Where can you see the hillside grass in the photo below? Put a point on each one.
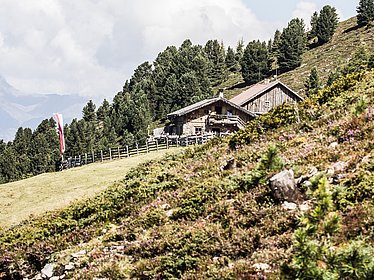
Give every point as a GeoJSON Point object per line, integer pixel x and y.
{"type": "Point", "coordinates": [49, 191]}
{"type": "Point", "coordinates": [191, 216]}
{"type": "Point", "coordinates": [327, 58]}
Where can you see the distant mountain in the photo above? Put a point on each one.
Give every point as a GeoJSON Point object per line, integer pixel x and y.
{"type": "Point", "coordinates": [19, 109]}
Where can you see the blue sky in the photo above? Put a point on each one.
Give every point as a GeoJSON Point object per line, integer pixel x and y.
{"type": "Point", "coordinates": [90, 47]}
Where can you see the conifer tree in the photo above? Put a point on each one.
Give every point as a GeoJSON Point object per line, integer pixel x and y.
{"type": "Point", "coordinates": [326, 24]}
{"type": "Point", "coordinates": [255, 62]}
{"type": "Point", "coordinates": [292, 45]}
{"type": "Point", "coordinates": [231, 63]}
{"type": "Point", "coordinates": [215, 53]}
{"type": "Point", "coordinates": [365, 12]}
{"type": "Point", "coordinates": [312, 84]}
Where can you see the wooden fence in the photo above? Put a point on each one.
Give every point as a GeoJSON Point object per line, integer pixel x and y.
{"type": "Point", "coordinates": [141, 147]}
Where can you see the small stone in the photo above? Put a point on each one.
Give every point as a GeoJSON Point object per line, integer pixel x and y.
{"type": "Point", "coordinates": [333, 145]}
{"type": "Point", "coordinates": [79, 254]}
{"type": "Point", "coordinates": [48, 270]}
{"type": "Point", "coordinates": [169, 213]}
{"type": "Point", "coordinates": [307, 184]}
{"type": "Point", "coordinates": [262, 267]}
{"type": "Point", "coordinates": [339, 166]}
{"type": "Point", "coordinates": [69, 266]}
{"type": "Point", "coordinates": [38, 277]}
{"type": "Point", "coordinates": [289, 206]}
{"type": "Point", "coordinates": [305, 206]}
{"type": "Point", "coordinates": [54, 278]}
{"type": "Point", "coordinates": [165, 206]}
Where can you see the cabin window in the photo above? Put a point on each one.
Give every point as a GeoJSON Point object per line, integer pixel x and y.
{"type": "Point", "coordinates": [218, 110]}
{"type": "Point", "coordinates": [198, 130]}
{"type": "Point", "coordinates": [206, 111]}
{"type": "Point", "coordinates": [267, 104]}
{"type": "Point", "coordinates": [229, 112]}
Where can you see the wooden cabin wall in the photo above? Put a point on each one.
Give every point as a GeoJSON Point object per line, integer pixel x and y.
{"type": "Point", "coordinates": [273, 98]}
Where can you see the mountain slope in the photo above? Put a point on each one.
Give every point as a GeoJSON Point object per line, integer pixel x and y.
{"type": "Point", "coordinates": [210, 213]}
{"type": "Point", "coordinates": [18, 109]}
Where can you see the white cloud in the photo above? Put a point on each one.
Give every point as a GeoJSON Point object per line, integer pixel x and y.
{"type": "Point", "coordinates": [305, 10]}
{"type": "Point", "coordinates": [90, 47]}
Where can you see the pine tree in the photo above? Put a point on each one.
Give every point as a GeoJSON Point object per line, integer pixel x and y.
{"type": "Point", "coordinates": [215, 53]}
{"type": "Point", "coordinates": [313, 25]}
{"type": "Point", "coordinates": [231, 63]}
{"type": "Point", "coordinates": [365, 12]}
{"type": "Point", "coordinates": [239, 53]}
{"type": "Point", "coordinates": [255, 62]}
{"type": "Point", "coordinates": [326, 24]}
{"type": "Point", "coordinates": [89, 112]}
{"type": "Point", "coordinates": [293, 45]}
{"type": "Point", "coordinates": [312, 84]}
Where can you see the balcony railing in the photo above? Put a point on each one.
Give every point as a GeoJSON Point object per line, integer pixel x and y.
{"type": "Point", "coordinates": [225, 120]}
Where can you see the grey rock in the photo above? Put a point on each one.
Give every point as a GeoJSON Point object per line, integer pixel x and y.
{"type": "Point", "coordinates": [262, 267]}
{"type": "Point", "coordinates": [333, 145]}
{"type": "Point", "coordinates": [284, 187]}
{"type": "Point", "coordinates": [79, 254]}
{"type": "Point", "coordinates": [48, 270]}
{"type": "Point", "coordinates": [69, 266]}
{"type": "Point", "coordinates": [289, 206]}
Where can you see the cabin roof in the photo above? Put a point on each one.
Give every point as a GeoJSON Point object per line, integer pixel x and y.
{"type": "Point", "coordinates": [257, 90]}
{"type": "Point", "coordinates": [207, 102]}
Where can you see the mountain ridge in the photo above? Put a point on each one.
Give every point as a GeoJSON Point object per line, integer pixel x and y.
{"type": "Point", "coordinates": [18, 109]}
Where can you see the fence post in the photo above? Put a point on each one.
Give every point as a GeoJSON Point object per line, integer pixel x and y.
{"type": "Point", "coordinates": [101, 153]}
{"type": "Point", "coordinates": [85, 158]}
{"type": "Point", "coordinates": [119, 153]}
{"type": "Point", "coordinates": [146, 145]}
{"type": "Point", "coordinates": [196, 140]}
{"type": "Point", "coordinates": [156, 144]}
{"type": "Point", "coordinates": [167, 143]}
{"type": "Point", "coordinates": [186, 141]}
{"type": "Point", "coordinates": [110, 153]}
{"type": "Point", "coordinates": [127, 150]}
{"type": "Point", "coordinates": [93, 156]}
{"type": "Point", "coordinates": [137, 147]}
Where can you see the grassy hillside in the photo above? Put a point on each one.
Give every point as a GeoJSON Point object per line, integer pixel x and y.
{"type": "Point", "coordinates": [327, 58]}
{"type": "Point", "coordinates": [51, 191]}
{"type": "Point", "coordinates": [209, 212]}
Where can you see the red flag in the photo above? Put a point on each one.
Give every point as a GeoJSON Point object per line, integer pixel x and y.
{"type": "Point", "coordinates": [60, 126]}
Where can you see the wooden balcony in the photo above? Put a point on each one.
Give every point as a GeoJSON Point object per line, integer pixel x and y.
{"type": "Point", "coordinates": [225, 120]}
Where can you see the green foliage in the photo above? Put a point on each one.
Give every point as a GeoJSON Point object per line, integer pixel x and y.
{"type": "Point", "coordinates": [292, 45]}
{"type": "Point", "coordinates": [255, 62]}
{"type": "Point", "coordinates": [317, 253]}
{"type": "Point", "coordinates": [325, 25]}
{"type": "Point", "coordinates": [312, 84]}
{"type": "Point", "coordinates": [365, 12]}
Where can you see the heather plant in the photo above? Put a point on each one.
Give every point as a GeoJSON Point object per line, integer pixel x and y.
{"type": "Point", "coordinates": [317, 253]}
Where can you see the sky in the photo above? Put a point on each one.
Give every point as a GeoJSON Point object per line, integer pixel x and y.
{"type": "Point", "coordinates": [90, 47]}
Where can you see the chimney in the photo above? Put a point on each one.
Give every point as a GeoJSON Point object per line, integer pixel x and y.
{"type": "Point", "coordinates": [220, 93]}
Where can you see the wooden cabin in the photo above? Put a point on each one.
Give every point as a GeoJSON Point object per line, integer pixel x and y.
{"type": "Point", "coordinates": [261, 98]}
{"type": "Point", "coordinates": [215, 115]}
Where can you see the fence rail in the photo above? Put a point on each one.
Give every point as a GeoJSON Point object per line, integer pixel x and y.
{"type": "Point", "coordinates": [141, 147]}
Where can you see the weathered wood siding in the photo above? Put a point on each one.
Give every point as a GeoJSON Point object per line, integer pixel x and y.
{"type": "Point", "coordinates": [270, 99]}
{"type": "Point", "coordinates": [196, 121]}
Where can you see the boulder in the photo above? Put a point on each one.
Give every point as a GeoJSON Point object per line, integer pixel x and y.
{"type": "Point", "coordinates": [284, 188]}
{"type": "Point", "coordinates": [47, 271]}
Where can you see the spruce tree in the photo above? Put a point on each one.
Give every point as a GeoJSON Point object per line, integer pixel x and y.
{"type": "Point", "coordinates": [255, 62]}
{"type": "Point", "coordinates": [215, 53]}
{"type": "Point", "coordinates": [365, 12]}
{"type": "Point", "coordinates": [292, 45]}
{"type": "Point", "coordinates": [231, 63]}
{"type": "Point", "coordinates": [312, 84]}
{"type": "Point", "coordinates": [326, 24]}
{"type": "Point", "coordinates": [313, 25]}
